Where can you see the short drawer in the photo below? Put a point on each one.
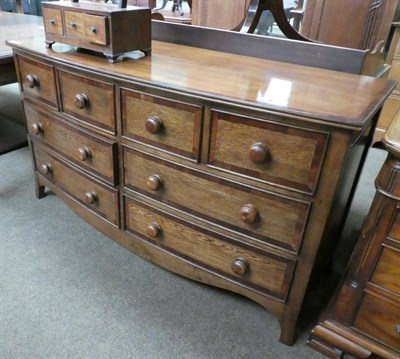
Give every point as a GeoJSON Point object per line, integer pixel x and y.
{"type": "Point", "coordinates": [169, 125]}
{"type": "Point", "coordinates": [257, 214]}
{"type": "Point", "coordinates": [92, 152]}
{"type": "Point", "coordinates": [52, 19]}
{"type": "Point", "coordinates": [387, 270]}
{"type": "Point", "coordinates": [268, 152]}
{"type": "Point", "coordinates": [88, 100]}
{"type": "Point", "coordinates": [86, 27]}
{"type": "Point", "coordinates": [95, 195]}
{"type": "Point", "coordinates": [266, 273]}
{"type": "Point", "coordinates": [379, 319]}
{"type": "Point", "coordinates": [38, 80]}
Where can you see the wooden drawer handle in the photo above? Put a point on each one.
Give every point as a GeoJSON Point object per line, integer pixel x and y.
{"type": "Point", "coordinates": [248, 213]}
{"type": "Point", "coordinates": [154, 124]}
{"type": "Point", "coordinates": [153, 230]}
{"type": "Point", "coordinates": [32, 81]}
{"type": "Point", "coordinates": [84, 153]}
{"type": "Point", "coordinates": [37, 128]}
{"type": "Point", "coordinates": [81, 100]}
{"type": "Point", "coordinates": [52, 22]}
{"type": "Point", "coordinates": [91, 197]}
{"type": "Point", "coordinates": [240, 266]}
{"type": "Point", "coordinates": [93, 29]}
{"type": "Point", "coordinates": [154, 182]}
{"type": "Point", "coordinates": [259, 152]}
{"type": "Point", "coordinates": [73, 24]}
{"type": "Point", "coordinates": [46, 168]}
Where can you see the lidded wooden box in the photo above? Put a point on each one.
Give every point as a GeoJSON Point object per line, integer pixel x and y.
{"type": "Point", "coordinates": [109, 29]}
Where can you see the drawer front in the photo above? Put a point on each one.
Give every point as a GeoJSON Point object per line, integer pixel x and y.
{"type": "Point", "coordinates": [38, 80]}
{"type": "Point", "coordinates": [52, 20]}
{"type": "Point", "coordinates": [256, 214]}
{"type": "Point", "coordinates": [270, 274]}
{"type": "Point", "coordinates": [85, 27]}
{"type": "Point", "coordinates": [379, 319]}
{"type": "Point", "coordinates": [94, 195]}
{"type": "Point", "coordinates": [171, 126]}
{"type": "Point", "coordinates": [92, 152]}
{"type": "Point", "coordinates": [280, 155]}
{"type": "Point", "coordinates": [88, 100]}
{"type": "Point", "coordinates": [387, 270]}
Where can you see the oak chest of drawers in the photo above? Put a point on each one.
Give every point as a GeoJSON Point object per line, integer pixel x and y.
{"type": "Point", "coordinates": [235, 178]}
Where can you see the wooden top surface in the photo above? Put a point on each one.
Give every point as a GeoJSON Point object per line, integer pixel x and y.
{"type": "Point", "coordinates": [344, 99]}
{"type": "Point", "coordinates": [91, 6]}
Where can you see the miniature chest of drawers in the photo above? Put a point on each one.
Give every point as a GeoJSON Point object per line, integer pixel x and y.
{"type": "Point", "coordinates": [235, 179]}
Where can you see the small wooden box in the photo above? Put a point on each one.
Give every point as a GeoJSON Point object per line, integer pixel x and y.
{"type": "Point", "coordinates": [109, 29]}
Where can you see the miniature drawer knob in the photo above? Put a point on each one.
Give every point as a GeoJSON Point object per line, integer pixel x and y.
{"type": "Point", "coordinates": [73, 24]}
{"type": "Point", "coordinates": [84, 153]}
{"type": "Point", "coordinates": [93, 29]}
{"type": "Point", "coordinates": [52, 22]}
{"type": "Point", "coordinates": [240, 266]}
{"type": "Point", "coordinates": [154, 182]}
{"type": "Point", "coordinates": [397, 328]}
{"type": "Point", "coordinates": [46, 168]}
{"type": "Point", "coordinates": [37, 128]}
{"type": "Point", "coordinates": [153, 230]}
{"type": "Point", "coordinates": [248, 213]}
{"type": "Point", "coordinates": [91, 197]}
{"type": "Point", "coordinates": [154, 124]}
{"type": "Point", "coordinates": [32, 81]}
{"type": "Point", "coordinates": [259, 152]}
{"type": "Point", "coordinates": [81, 100]}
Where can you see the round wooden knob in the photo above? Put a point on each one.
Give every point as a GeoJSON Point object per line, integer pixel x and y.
{"type": "Point", "coordinates": [37, 128]}
{"type": "Point", "coordinates": [81, 100]}
{"type": "Point", "coordinates": [397, 328]}
{"type": "Point", "coordinates": [52, 22]}
{"type": "Point", "coordinates": [84, 153]}
{"type": "Point", "coordinates": [32, 81]}
{"type": "Point", "coordinates": [153, 230]}
{"type": "Point", "coordinates": [46, 168]}
{"type": "Point", "coordinates": [154, 182]}
{"type": "Point", "coordinates": [248, 213]}
{"type": "Point", "coordinates": [91, 197]}
{"type": "Point", "coordinates": [240, 266]}
{"type": "Point", "coordinates": [259, 152]}
{"type": "Point", "coordinates": [154, 124]}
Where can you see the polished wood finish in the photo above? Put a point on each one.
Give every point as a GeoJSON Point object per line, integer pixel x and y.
{"type": "Point", "coordinates": [364, 316]}
{"type": "Point", "coordinates": [98, 27]}
{"type": "Point", "coordinates": [243, 228]}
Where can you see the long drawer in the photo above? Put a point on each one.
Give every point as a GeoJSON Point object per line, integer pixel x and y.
{"type": "Point", "coordinates": [262, 272]}
{"type": "Point", "coordinates": [262, 216]}
{"type": "Point", "coordinates": [94, 153]}
{"type": "Point", "coordinates": [93, 194]}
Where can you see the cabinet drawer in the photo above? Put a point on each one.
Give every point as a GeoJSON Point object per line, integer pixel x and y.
{"type": "Point", "coordinates": [38, 80]}
{"type": "Point", "coordinates": [387, 270]}
{"type": "Point", "coordinates": [94, 195]}
{"type": "Point", "coordinates": [379, 319]}
{"type": "Point", "coordinates": [268, 152]}
{"type": "Point", "coordinates": [85, 27]}
{"type": "Point", "coordinates": [259, 215]}
{"type": "Point", "coordinates": [92, 152]}
{"type": "Point", "coordinates": [271, 274]}
{"type": "Point", "coordinates": [52, 20]}
{"type": "Point", "coordinates": [88, 100]}
{"type": "Point", "coordinates": [171, 126]}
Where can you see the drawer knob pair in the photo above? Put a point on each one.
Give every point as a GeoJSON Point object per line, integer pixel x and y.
{"type": "Point", "coordinates": [46, 168]}
{"type": "Point", "coordinates": [91, 197]}
{"type": "Point", "coordinates": [154, 182]}
{"type": "Point", "coordinates": [153, 230]}
{"type": "Point", "coordinates": [259, 152]}
{"type": "Point", "coordinates": [81, 100]}
{"type": "Point", "coordinates": [84, 153]}
{"type": "Point", "coordinates": [32, 81]}
{"type": "Point", "coordinates": [248, 213]}
{"type": "Point", "coordinates": [37, 128]}
{"type": "Point", "coordinates": [154, 124]}
{"type": "Point", "coordinates": [240, 266]}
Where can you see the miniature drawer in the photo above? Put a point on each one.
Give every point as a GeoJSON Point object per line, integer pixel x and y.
{"type": "Point", "coordinates": [88, 100]}
{"type": "Point", "coordinates": [94, 195]}
{"type": "Point", "coordinates": [268, 152]}
{"type": "Point", "coordinates": [85, 27]}
{"type": "Point", "coordinates": [52, 20]}
{"type": "Point", "coordinates": [266, 273]}
{"type": "Point", "coordinates": [387, 270]}
{"type": "Point", "coordinates": [169, 125]}
{"type": "Point", "coordinates": [38, 80]}
{"type": "Point", "coordinates": [379, 319]}
{"type": "Point", "coordinates": [93, 153]}
{"type": "Point", "coordinates": [259, 215]}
